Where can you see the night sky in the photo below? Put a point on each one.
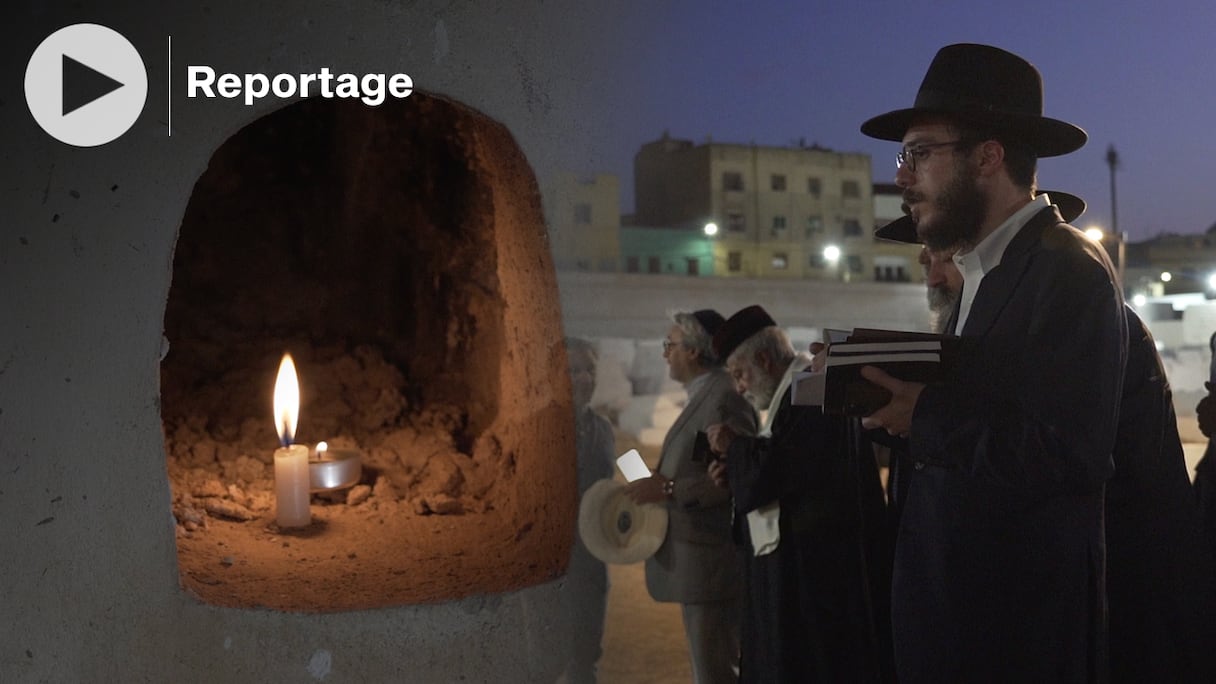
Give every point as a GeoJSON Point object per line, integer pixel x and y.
{"type": "Point", "coordinates": [1138, 75]}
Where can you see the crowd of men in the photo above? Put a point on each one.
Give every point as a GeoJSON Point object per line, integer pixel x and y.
{"type": "Point", "coordinates": [1038, 523]}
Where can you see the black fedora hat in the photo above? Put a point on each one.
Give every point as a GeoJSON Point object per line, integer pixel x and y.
{"type": "Point", "coordinates": [988, 87]}
{"type": "Point", "coordinates": [743, 324]}
{"type": "Point", "coordinates": [903, 229]}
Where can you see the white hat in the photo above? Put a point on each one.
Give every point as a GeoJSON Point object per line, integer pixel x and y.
{"type": "Point", "coordinates": [617, 530]}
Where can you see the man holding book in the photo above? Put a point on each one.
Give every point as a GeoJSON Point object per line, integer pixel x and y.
{"type": "Point", "coordinates": [999, 563]}
{"type": "Point", "coordinates": [808, 515]}
{"type": "Point", "coordinates": [1159, 577]}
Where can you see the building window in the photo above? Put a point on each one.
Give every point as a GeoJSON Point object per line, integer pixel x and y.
{"type": "Point", "coordinates": [851, 227]}
{"type": "Point", "coordinates": [631, 264]}
{"type": "Point", "coordinates": [582, 213]}
{"type": "Point", "coordinates": [734, 262]}
{"type": "Point", "coordinates": [694, 266]}
{"type": "Point", "coordinates": [813, 187]}
{"type": "Point", "coordinates": [778, 182]}
{"type": "Point", "coordinates": [855, 264]}
{"type": "Point", "coordinates": [891, 269]}
{"type": "Point", "coordinates": [891, 274]}
{"type": "Point", "coordinates": [652, 265]}
{"type": "Point", "coordinates": [850, 189]}
{"type": "Point", "coordinates": [781, 261]}
{"type": "Point", "coordinates": [814, 225]}
{"type": "Point", "coordinates": [817, 260]}
{"type": "Point", "coordinates": [778, 225]}
{"type": "Point", "coordinates": [733, 181]}
{"type": "Point", "coordinates": [735, 223]}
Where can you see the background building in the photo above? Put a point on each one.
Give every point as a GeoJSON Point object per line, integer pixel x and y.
{"type": "Point", "coordinates": [584, 215]}
{"type": "Point", "coordinates": [781, 212]}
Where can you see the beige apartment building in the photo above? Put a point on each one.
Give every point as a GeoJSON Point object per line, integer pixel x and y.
{"type": "Point", "coordinates": [584, 217]}
{"type": "Point", "coordinates": [781, 212]}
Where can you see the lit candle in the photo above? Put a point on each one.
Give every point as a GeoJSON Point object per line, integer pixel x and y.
{"type": "Point", "coordinates": [332, 469]}
{"type": "Point", "coordinates": [291, 479]}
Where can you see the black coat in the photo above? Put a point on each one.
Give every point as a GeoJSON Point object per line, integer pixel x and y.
{"type": "Point", "coordinates": [999, 561]}
{"type": "Point", "coordinates": [815, 609]}
{"type": "Point", "coordinates": [1159, 574]}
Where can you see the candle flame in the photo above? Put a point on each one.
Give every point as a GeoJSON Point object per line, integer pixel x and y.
{"type": "Point", "coordinates": [286, 400]}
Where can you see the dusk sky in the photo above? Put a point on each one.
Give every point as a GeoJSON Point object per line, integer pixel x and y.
{"type": "Point", "coordinates": [1138, 75]}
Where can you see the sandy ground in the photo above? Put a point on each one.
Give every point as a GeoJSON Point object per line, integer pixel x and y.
{"type": "Point", "coordinates": [643, 640]}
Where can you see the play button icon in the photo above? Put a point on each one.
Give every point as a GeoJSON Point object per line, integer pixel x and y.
{"type": "Point", "coordinates": [85, 85]}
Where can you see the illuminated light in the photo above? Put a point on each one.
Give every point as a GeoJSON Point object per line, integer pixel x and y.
{"type": "Point", "coordinates": [1166, 276]}
{"type": "Point", "coordinates": [1139, 300]}
{"type": "Point", "coordinates": [1212, 281]}
{"type": "Point", "coordinates": [1095, 234]}
{"type": "Point", "coordinates": [831, 253]}
{"type": "Point", "coordinates": [711, 229]}
{"type": "Point", "coordinates": [286, 400]}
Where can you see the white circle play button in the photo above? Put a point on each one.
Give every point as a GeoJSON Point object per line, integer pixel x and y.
{"type": "Point", "coordinates": [86, 85]}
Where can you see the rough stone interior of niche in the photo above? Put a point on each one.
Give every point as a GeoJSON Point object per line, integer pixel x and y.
{"type": "Point", "coordinates": [223, 464]}
{"type": "Point", "coordinates": [420, 489]}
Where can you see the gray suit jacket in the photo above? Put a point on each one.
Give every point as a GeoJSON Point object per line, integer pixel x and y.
{"type": "Point", "coordinates": [698, 560]}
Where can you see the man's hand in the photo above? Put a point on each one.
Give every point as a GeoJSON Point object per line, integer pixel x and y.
{"type": "Point", "coordinates": [720, 436]}
{"type": "Point", "coordinates": [1206, 413]}
{"type": "Point", "coordinates": [647, 490]}
{"type": "Point", "coordinates": [896, 416]}
{"type": "Point", "coordinates": [717, 472]}
{"type": "Point", "coordinates": [819, 356]}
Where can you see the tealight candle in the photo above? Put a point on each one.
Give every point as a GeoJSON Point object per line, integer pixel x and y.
{"type": "Point", "coordinates": [331, 469]}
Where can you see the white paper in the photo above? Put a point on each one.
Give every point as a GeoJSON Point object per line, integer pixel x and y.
{"type": "Point", "coordinates": [885, 347]}
{"type": "Point", "coordinates": [632, 466]}
{"type": "Point", "coordinates": [808, 388]}
{"type": "Point", "coordinates": [863, 359]}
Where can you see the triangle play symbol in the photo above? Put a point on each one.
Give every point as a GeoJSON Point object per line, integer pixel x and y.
{"type": "Point", "coordinates": [83, 84]}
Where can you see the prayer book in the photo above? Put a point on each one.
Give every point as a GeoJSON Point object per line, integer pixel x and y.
{"type": "Point", "coordinates": [839, 387]}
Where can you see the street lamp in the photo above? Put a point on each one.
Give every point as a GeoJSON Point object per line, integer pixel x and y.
{"type": "Point", "coordinates": [1098, 235]}
{"type": "Point", "coordinates": [711, 229]}
{"type": "Point", "coordinates": [831, 253]}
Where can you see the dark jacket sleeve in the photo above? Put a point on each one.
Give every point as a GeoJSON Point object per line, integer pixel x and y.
{"type": "Point", "coordinates": [804, 452]}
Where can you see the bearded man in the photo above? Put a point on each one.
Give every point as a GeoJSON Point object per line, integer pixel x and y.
{"type": "Point", "coordinates": [1159, 586]}
{"type": "Point", "coordinates": [999, 566]}
{"type": "Point", "coordinates": [808, 515]}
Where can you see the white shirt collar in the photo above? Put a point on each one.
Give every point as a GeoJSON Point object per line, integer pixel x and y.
{"type": "Point", "coordinates": [985, 256]}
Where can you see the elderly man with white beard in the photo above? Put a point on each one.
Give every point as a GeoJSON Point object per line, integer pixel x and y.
{"type": "Point", "coordinates": [808, 514]}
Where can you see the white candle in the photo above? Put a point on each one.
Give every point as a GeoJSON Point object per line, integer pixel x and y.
{"type": "Point", "coordinates": [291, 478]}
{"type": "Point", "coordinates": [291, 486]}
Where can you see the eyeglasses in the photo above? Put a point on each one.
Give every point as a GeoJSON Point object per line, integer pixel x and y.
{"type": "Point", "coordinates": [912, 154]}
{"type": "Point", "coordinates": [668, 344]}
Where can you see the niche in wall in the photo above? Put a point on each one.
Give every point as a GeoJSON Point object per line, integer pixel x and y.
{"type": "Point", "coordinates": [398, 253]}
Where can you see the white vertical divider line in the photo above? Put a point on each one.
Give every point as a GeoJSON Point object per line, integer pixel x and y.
{"type": "Point", "coordinates": [169, 96]}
